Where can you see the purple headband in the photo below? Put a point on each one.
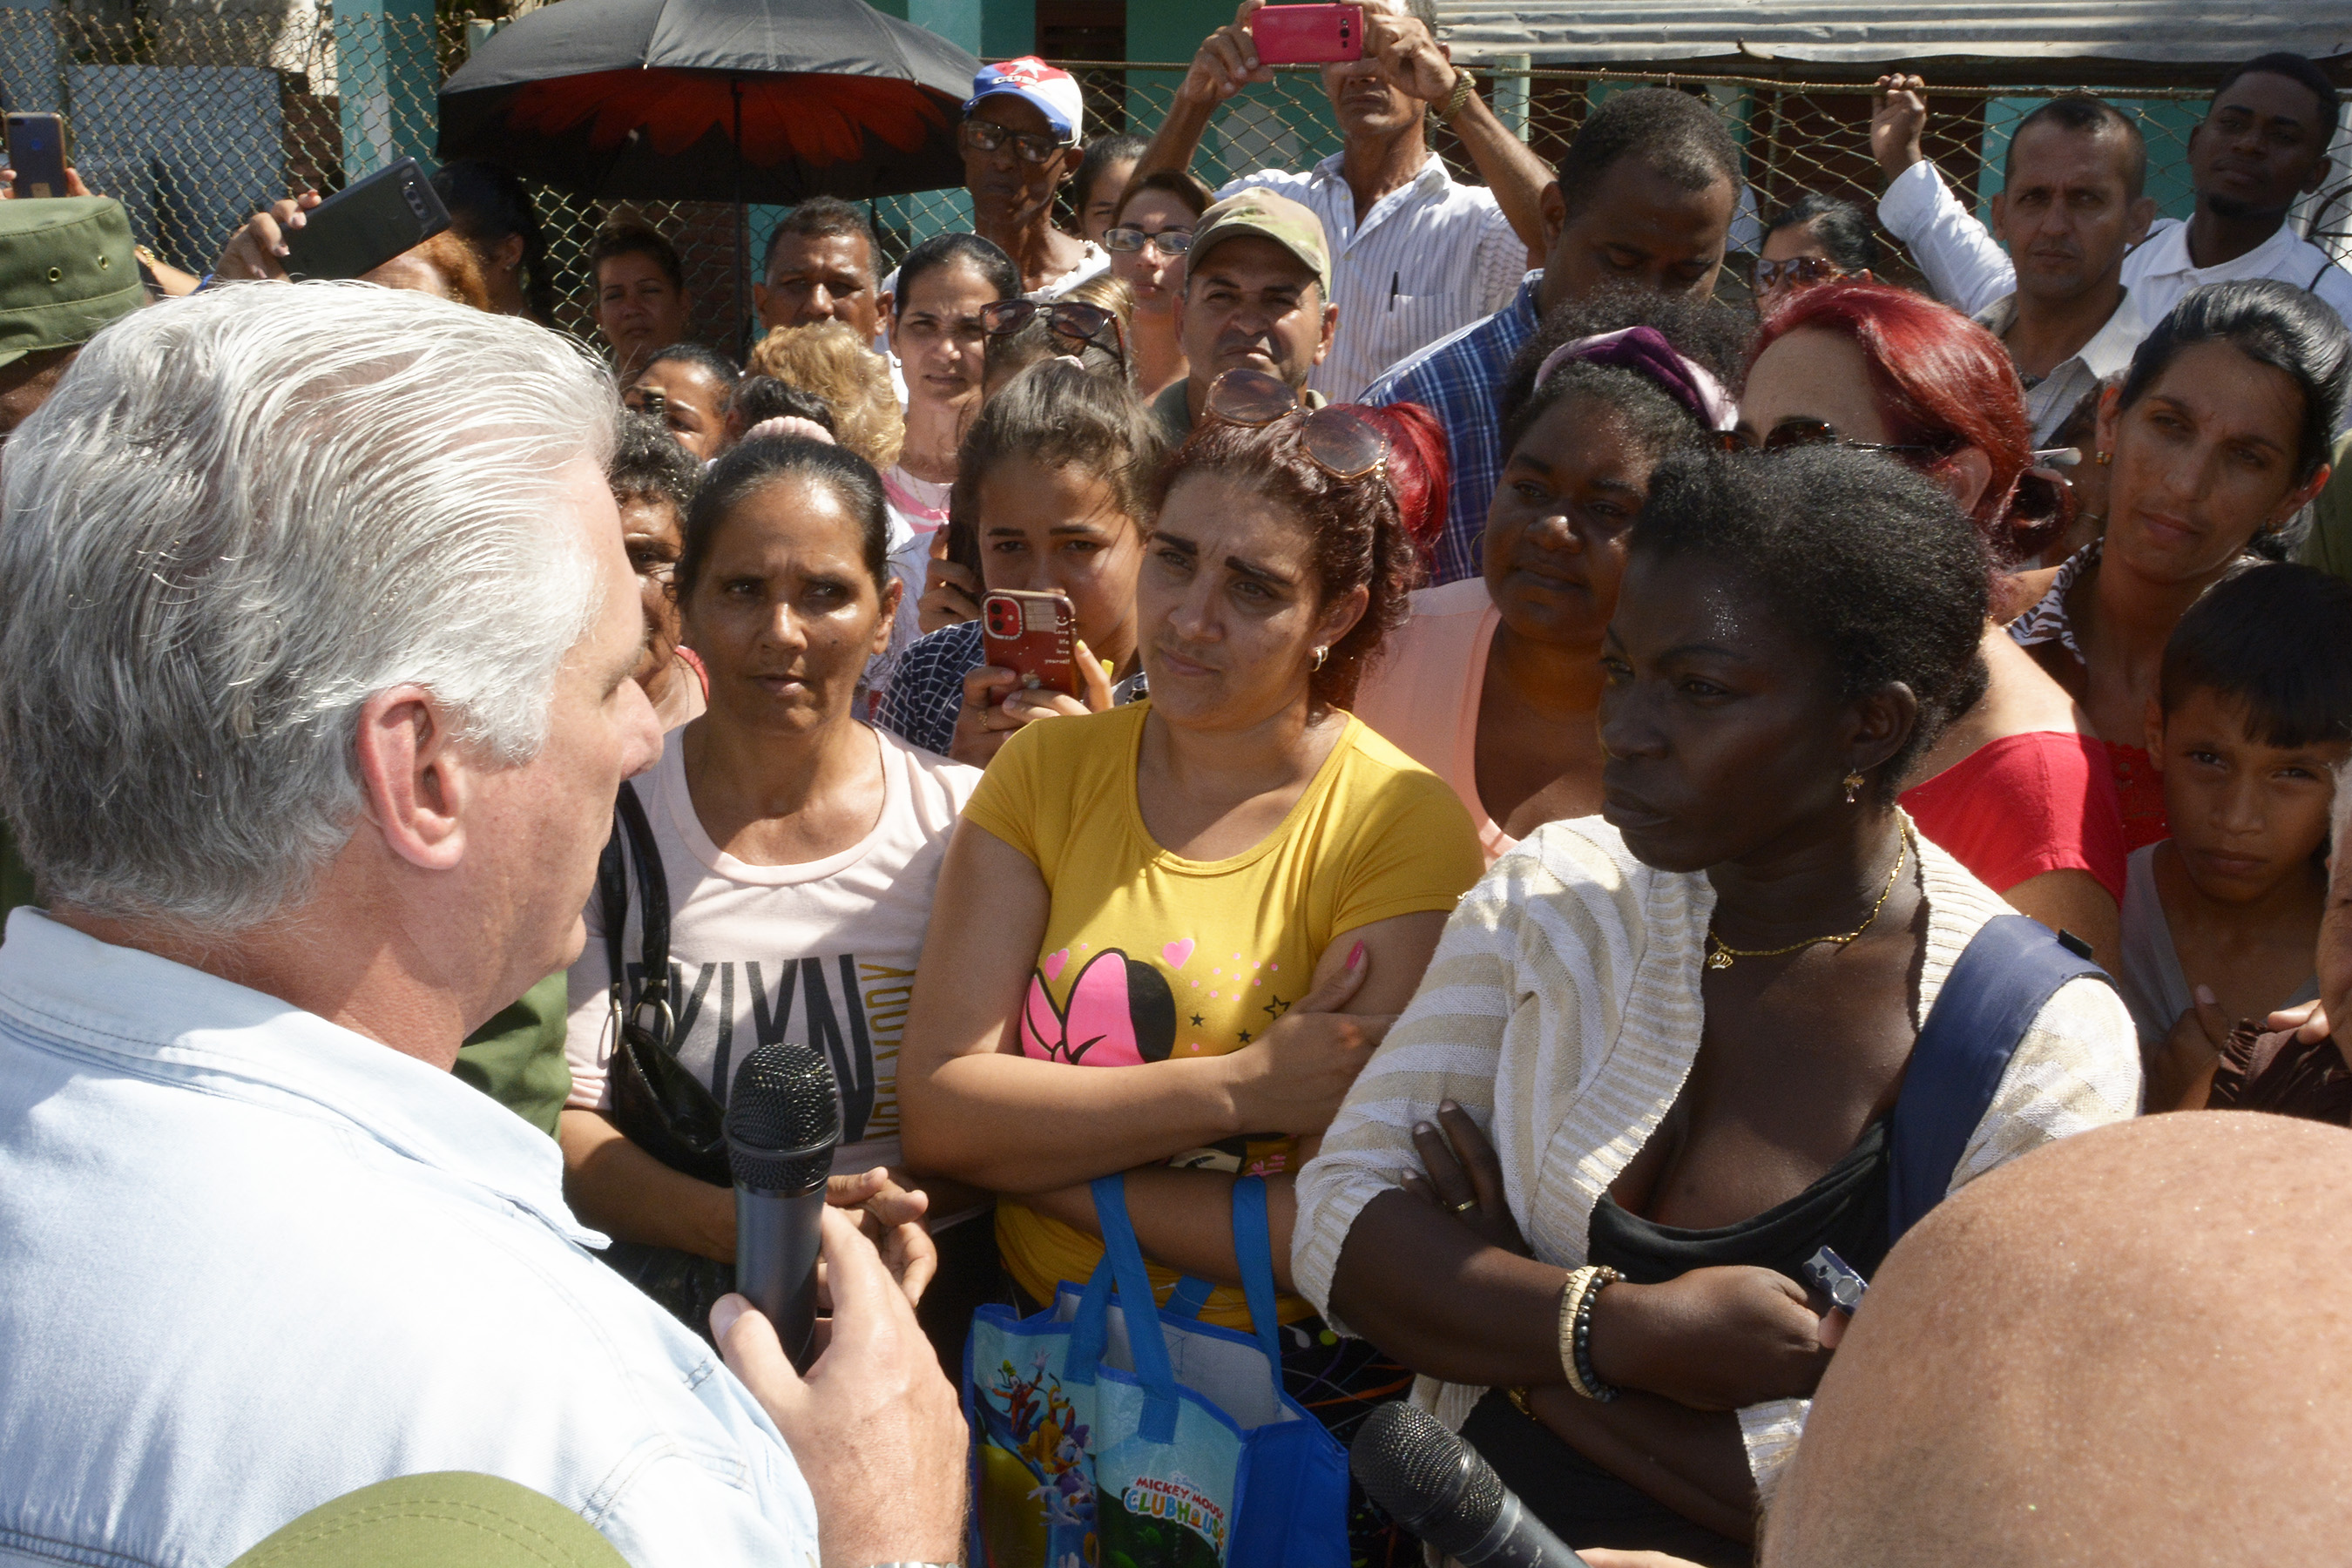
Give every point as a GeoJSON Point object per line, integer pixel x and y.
{"type": "Point", "coordinates": [1646, 349]}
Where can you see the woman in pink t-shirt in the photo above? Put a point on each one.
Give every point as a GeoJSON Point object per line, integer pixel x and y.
{"type": "Point", "coordinates": [1495, 681]}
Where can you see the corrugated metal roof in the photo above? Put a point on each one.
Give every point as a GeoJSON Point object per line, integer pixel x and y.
{"type": "Point", "coordinates": [1642, 32]}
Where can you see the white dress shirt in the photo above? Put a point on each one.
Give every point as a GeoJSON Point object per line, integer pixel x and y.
{"type": "Point", "coordinates": [1969, 269]}
{"type": "Point", "coordinates": [1430, 257]}
{"type": "Point", "coordinates": [255, 1261]}
{"type": "Point", "coordinates": [2049, 400]}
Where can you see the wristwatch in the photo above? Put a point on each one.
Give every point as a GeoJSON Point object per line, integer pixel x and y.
{"type": "Point", "coordinates": [1464, 87]}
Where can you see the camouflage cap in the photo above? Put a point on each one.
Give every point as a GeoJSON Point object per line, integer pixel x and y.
{"type": "Point", "coordinates": [1270, 216]}
{"type": "Point", "coordinates": [67, 268]}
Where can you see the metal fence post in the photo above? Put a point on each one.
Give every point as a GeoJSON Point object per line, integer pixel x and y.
{"type": "Point", "coordinates": [1511, 92]}
{"type": "Point", "coordinates": [390, 81]}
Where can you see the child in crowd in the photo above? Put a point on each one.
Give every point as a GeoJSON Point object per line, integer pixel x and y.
{"type": "Point", "coordinates": [2253, 716]}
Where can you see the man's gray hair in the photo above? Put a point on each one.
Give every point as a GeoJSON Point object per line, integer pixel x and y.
{"type": "Point", "coordinates": [241, 516]}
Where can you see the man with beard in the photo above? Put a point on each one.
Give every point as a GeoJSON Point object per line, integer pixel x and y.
{"type": "Point", "coordinates": [2069, 207]}
{"type": "Point", "coordinates": [2263, 146]}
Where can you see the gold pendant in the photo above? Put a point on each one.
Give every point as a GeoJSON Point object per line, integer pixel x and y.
{"type": "Point", "coordinates": [1718, 959]}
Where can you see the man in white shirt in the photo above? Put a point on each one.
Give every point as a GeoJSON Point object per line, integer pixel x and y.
{"type": "Point", "coordinates": [1414, 255]}
{"type": "Point", "coordinates": [314, 695]}
{"type": "Point", "coordinates": [2262, 147]}
{"type": "Point", "coordinates": [2069, 207]}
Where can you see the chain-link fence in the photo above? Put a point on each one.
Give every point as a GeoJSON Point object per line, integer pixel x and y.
{"type": "Point", "coordinates": [192, 115]}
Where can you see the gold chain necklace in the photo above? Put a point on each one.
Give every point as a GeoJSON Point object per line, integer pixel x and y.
{"type": "Point", "coordinates": [1723, 954]}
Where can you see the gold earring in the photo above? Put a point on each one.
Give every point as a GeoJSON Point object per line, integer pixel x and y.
{"type": "Point", "coordinates": [1853, 787]}
{"type": "Point", "coordinates": [1320, 655]}
{"type": "Point", "coordinates": [2105, 459]}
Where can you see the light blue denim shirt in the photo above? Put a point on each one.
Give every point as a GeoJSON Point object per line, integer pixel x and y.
{"type": "Point", "coordinates": [250, 1260]}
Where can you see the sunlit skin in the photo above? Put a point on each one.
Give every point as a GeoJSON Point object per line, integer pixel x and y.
{"type": "Point", "coordinates": [942, 352]}
{"type": "Point", "coordinates": [654, 536]}
{"type": "Point", "coordinates": [1554, 552]}
{"type": "Point", "coordinates": [1251, 303]}
{"type": "Point", "coordinates": [693, 402]}
{"type": "Point", "coordinates": [2067, 214]}
{"type": "Point", "coordinates": [639, 309]}
{"type": "Point", "coordinates": [1786, 244]}
{"type": "Point", "coordinates": [1012, 199]}
{"type": "Point", "coordinates": [1226, 610]}
{"type": "Point", "coordinates": [1637, 226]}
{"type": "Point", "coordinates": [2240, 878]}
{"type": "Point", "coordinates": [1099, 207]}
{"type": "Point", "coordinates": [819, 277]}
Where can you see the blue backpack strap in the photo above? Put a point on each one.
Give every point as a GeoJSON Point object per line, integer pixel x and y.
{"type": "Point", "coordinates": [1253, 1251]}
{"type": "Point", "coordinates": [2005, 975]}
{"type": "Point", "coordinates": [1153, 1369]}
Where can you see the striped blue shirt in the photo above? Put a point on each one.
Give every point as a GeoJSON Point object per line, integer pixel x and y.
{"type": "Point", "coordinates": [1458, 379]}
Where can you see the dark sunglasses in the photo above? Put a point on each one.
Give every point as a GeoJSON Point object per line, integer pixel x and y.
{"type": "Point", "coordinates": [987, 136]}
{"type": "Point", "coordinates": [1168, 241]}
{"type": "Point", "coordinates": [1792, 433]}
{"type": "Point", "coordinates": [1073, 320]}
{"type": "Point", "coordinates": [1798, 269]}
{"type": "Point", "coordinates": [1340, 440]}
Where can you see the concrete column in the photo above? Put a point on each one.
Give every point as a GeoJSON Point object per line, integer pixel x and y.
{"type": "Point", "coordinates": [390, 82]}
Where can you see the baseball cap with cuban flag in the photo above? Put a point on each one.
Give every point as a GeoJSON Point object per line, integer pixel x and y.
{"type": "Point", "coordinates": [1055, 92]}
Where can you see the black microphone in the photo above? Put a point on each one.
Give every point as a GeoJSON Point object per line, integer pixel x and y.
{"type": "Point", "coordinates": [1442, 1490]}
{"type": "Point", "coordinates": [783, 1117]}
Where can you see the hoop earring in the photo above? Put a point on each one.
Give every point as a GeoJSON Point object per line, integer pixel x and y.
{"type": "Point", "coordinates": [1320, 655]}
{"type": "Point", "coordinates": [1854, 783]}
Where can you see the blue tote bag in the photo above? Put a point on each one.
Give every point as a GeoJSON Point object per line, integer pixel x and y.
{"type": "Point", "coordinates": [1107, 1434]}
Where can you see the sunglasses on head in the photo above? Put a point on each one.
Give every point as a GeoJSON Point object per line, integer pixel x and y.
{"type": "Point", "coordinates": [987, 136]}
{"type": "Point", "coordinates": [1792, 433]}
{"type": "Point", "coordinates": [1169, 242]}
{"type": "Point", "coordinates": [1340, 440]}
{"type": "Point", "coordinates": [1073, 319]}
{"type": "Point", "coordinates": [1798, 269]}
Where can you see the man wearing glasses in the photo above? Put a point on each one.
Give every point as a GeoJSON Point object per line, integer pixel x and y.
{"type": "Point", "coordinates": [1020, 141]}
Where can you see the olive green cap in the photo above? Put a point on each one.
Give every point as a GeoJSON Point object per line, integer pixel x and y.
{"type": "Point", "coordinates": [448, 1520]}
{"type": "Point", "coordinates": [1270, 216]}
{"type": "Point", "coordinates": [67, 268]}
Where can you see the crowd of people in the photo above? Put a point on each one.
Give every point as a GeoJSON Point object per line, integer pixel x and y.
{"type": "Point", "coordinates": [1589, 794]}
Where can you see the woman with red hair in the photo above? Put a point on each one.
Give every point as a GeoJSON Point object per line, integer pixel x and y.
{"type": "Point", "coordinates": [2017, 789]}
{"type": "Point", "coordinates": [1187, 889]}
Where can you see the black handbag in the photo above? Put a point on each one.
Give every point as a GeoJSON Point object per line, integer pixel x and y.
{"type": "Point", "coordinates": [658, 1104]}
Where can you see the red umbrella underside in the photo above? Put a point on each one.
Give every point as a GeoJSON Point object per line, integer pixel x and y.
{"type": "Point", "coordinates": [818, 119]}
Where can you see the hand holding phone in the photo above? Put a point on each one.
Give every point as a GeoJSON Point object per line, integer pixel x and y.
{"type": "Point", "coordinates": [1034, 635]}
{"type": "Point", "coordinates": [37, 152]}
{"type": "Point", "coordinates": [365, 224]}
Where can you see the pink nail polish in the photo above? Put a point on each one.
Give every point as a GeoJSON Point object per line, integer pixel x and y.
{"type": "Point", "coordinates": [1356, 953]}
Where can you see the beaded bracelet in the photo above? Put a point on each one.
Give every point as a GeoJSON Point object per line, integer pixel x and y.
{"type": "Point", "coordinates": [1576, 1331]}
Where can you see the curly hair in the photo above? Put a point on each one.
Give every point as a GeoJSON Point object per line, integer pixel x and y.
{"type": "Point", "coordinates": [1361, 536]}
{"type": "Point", "coordinates": [1709, 335]}
{"type": "Point", "coordinates": [1867, 559]}
{"type": "Point", "coordinates": [829, 359]}
{"type": "Point", "coordinates": [648, 463]}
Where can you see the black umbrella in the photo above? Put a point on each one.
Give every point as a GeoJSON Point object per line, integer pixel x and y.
{"type": "Point", "coordinates": [737, 100]}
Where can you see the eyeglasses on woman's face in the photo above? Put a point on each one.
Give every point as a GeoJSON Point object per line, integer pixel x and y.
{"type": "Point", "coordinates": [987, 136]}
{"type": "Point", "coordinates": [1169, 242]}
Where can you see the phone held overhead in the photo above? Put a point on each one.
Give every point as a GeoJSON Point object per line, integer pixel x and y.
{"type": "Point", "coordinates": [1307, 34]}
{"type": "Point", "coordinates": [366, 224]}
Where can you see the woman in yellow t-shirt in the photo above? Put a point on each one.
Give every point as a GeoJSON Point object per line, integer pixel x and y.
{"type": "Point", "coordinates": [1227, 889]}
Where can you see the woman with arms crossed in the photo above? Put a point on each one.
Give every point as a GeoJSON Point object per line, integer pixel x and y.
{"type": "Point", "coordinates": [1683, 1026]}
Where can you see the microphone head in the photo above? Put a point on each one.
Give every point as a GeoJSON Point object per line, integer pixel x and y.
{"type": "Point", "coordinates": [784, 1119]}
{"type": "Point", "coordinates": [1435, 1484]}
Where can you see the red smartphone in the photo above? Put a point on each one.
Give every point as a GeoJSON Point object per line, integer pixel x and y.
{"type": "Point", "coordinates": [1307, 34]}
{"type": "Point", "coordinates": [1035, 635]}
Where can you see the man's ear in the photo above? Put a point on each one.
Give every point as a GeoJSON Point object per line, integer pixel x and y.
{"type": "Point", "coordinates": [2319, 173]}
{"type": "Point", "coordinates": [508, 252]}
{"type": "Point", "coordinates": [2001, 214]}
{"type": "Point", "coordinates": [1331, 329]}
{"type": "Point", "coordinates": [2143, 213]}
{"type": "Point", "coordinates": [415, 781]}
{"type": "Point", "coordinates": [1551, 207]}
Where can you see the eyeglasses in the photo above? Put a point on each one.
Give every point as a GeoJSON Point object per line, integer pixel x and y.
{"type": "Point", "coordinates": [1340, 440]}
{"type": "Point", "coordinates": [1169, 242]}
{"type": "Point", "coordinates": [1806, 270]}
{"type": "Point", "coordinates": [987, 136]}
{"type": "Point", "coordinates": [1810, 432]}
{"type": "Point", "coordinates": [1073, 320]}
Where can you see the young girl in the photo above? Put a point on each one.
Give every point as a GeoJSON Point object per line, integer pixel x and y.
{"type": "Point", "coordinates": [2252, 717]}
{"type": "Point", "coordinates": [1053, 477]}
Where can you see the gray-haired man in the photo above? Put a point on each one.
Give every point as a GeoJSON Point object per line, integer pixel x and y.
{"type": "Point", "coordinates": [314, 693]}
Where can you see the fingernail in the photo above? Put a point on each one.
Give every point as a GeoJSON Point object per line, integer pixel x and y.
{"type": "Point", "coordinates": [1448, 1105]}
{"type": "Point", "coordinates": [1419, 1127]}
{"type": "Point", "coordinates": [1356, 953]}
{"type": "Point", "coordinates": [723, 1314]}
{"type": "Point", "coordinates": [2205, 994]}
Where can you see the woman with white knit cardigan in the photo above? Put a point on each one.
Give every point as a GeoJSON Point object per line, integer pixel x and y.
{"type": "Point", "coordinates": [1664, 1044]}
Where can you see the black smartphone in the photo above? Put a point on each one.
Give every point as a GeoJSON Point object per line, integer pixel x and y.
{"type": "Point", "coordinates": [363, 226]}
{"type": "Point", "coordinates": [36, 151]}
